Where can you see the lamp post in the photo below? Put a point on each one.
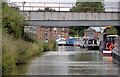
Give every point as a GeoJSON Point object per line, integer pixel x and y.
{"type": "Point", "coordinates": [23, 3]}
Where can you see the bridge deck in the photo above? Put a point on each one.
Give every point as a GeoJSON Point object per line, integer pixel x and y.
{"type": "Point", "coordinates": [60, 18]}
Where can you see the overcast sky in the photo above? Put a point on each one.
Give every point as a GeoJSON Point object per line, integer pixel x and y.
{"type": "Point", "coordinates": [72, 1]}
{"type": "Point", "coordinates": [57, 1]}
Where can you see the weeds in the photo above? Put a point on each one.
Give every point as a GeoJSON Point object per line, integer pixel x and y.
{"type": "Point", "coordinates": [17, 46]}
{"type": "Point", "coordinates": [17, 52]}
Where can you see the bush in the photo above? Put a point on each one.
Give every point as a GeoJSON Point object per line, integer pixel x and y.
{"type": "Point", "coordinates": [19, 51]}
{"type": "Point", "coordinates": [52, 45]}
{"type": "Point", "coordinates": [9, 52]}
{"type": "Point", "coordinates": [16, 49]}
{"type": "Point", "coordinates": [28, 38]}
{"type": "Point", "coordinates": [12, 21]}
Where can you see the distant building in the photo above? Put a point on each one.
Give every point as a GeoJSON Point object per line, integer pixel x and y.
{"type": "Point", "coordinates": [94, 32]}
{"type": "Point", "coordinates": [51, 33]}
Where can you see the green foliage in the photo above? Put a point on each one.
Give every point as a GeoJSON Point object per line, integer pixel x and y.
{"type": "Point", "coordinates": [88, 6]}
{"type": "Point", "coordinates": [9, 52]}
{"type": "Point", "coordinates": [73, 30]}
{"type": "Point", "coordinates": [19, 51]}
{"type": "Point", "coordinates": [85, 6]}
{"type": "Point", "coordinates": [52, 45]}
{"type": "Point", "coordinates": [49, 9]}
{"type": "Point", "coordinates": [0, 12]}
{"type": "Point", "coordinates": [17, 46]}
{"type": "Point", "coordinates": [12, 21]}
{"type": "Point", "coordinates": [81, 33]}
{"type": "Point", "coordinates": [112, 30]}
{"type": "Point", "coordinates": [28, 38]}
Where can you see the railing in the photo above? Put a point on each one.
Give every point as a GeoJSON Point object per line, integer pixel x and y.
{"type": "Point", "coordinates": [40, 6]}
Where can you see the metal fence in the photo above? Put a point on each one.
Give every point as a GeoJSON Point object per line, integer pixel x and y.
{"type": "Point", "coordinates": [40, 6]}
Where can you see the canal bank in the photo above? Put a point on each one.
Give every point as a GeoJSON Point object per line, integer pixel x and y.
{"type": "Point", "coordinates": [18, 52]}
{"type": "Point", "coordinates": [17, 45]}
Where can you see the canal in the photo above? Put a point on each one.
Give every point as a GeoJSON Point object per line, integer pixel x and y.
{"type": "Point", "coordinates": [68, 60]}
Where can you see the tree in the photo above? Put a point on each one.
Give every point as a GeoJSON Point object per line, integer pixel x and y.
{"type": "Point", "coordinates": [12, 21]}
{"type": "Point", "coordinates": [112, 30]}
{"type": "Point", "coordinates": [49, 9]}
{"type": "Point", "coordinates": [88, 6]}
{"type": "Point", "coordinates": [73, 30]}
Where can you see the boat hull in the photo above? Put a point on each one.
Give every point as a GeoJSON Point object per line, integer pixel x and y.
{"type": "Point", "coordinates": [93, 47]}
{"type": "Point", "coordinates": [107, 53]}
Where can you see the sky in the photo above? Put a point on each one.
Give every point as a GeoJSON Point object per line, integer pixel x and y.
{"type": "Point", "coordinates": [57, 5]}
{"type": "Point", "coordinates": [72, 1]}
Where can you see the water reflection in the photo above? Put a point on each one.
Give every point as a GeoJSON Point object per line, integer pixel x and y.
{"type": "Point", "coordinates": [70, 48]}
{"type": "Point", "coordinates": [69, 61]}
{"type": "Point", "coordinates": [66, 48]}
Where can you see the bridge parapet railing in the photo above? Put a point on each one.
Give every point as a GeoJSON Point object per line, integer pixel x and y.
{"type": "Point", "coordinates": [46, 6]}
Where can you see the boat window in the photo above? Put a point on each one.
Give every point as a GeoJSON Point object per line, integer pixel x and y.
{"type": "Point", "coordinates": [75, 38]}
{"type": "Point", "coordinates": [90, 41]}
{"type": "Point", "coordinates": [95, 41]}
{"type": "Point", "coordinates": [111, 39]}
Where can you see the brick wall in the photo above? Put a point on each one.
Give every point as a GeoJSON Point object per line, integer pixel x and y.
{"type": "Point", "coordinates": [38, 32]}
{"type": "Point", "coordinates": [89, 31]}
{"type": "Point", "coordinates": [51, 32]}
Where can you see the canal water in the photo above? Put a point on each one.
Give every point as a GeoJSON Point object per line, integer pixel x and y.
{"type": "Point", "coordinates": [68, 60]}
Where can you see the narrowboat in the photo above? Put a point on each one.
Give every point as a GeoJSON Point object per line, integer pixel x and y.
{"type": "Point", "coordinates": [90, 43]}
{"type": "Point", "coordinates": [107, 44]}
{"type": "Point", "coordinates": [71, 41]}
{"type": "Point", "coordinates": [61, 41]}
{"type": "Point", "coordinates": [93, 43]}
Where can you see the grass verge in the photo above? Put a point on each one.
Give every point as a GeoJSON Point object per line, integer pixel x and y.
{"type": "Point", "coordinates": [18, 51]}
